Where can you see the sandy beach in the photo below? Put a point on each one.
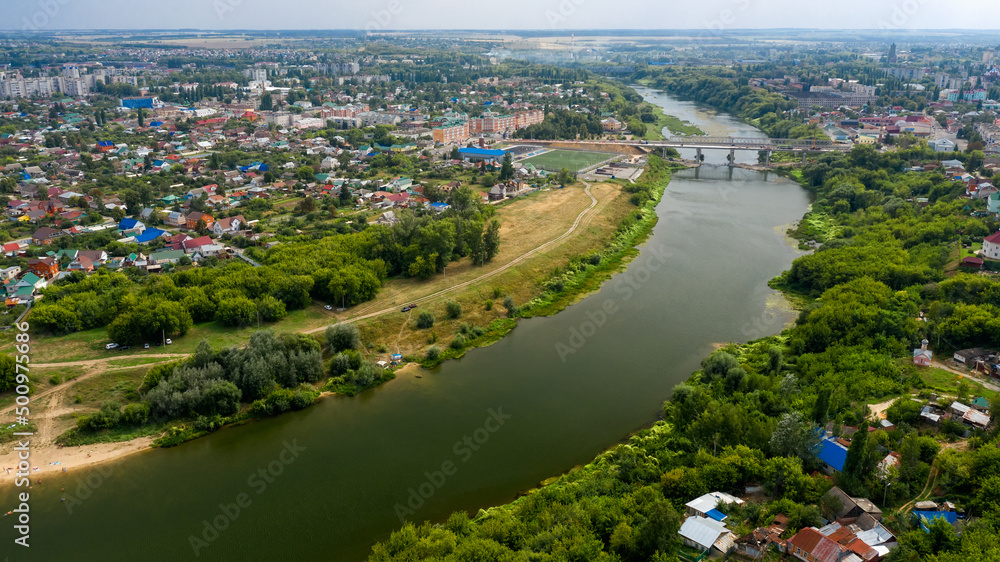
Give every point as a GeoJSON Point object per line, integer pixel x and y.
{"type": "Point", "coordinates": [69, 459]}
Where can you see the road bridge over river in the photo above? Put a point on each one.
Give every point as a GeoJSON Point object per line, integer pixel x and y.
{"type": "Point", "coordinates": [732, 144]}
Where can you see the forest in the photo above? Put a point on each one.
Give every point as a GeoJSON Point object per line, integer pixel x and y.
{"type": "Point", "coordinates": [752, 415]}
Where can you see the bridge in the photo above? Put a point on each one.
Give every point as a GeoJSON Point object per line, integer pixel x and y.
{"type": "Point", "coordinates": [732, 144]}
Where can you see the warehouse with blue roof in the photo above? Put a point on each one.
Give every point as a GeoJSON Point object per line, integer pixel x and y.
{"type": "Point", "coordinates": [481, 154]}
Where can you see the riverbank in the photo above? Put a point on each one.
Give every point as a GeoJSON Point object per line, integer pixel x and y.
{"type": "Point", "coordinates": [530, 280]}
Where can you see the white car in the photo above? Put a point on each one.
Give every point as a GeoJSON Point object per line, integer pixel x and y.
{"type": "Point", "coordinates": [146, 346]}
{"type": "Point", "coordinates": [111, 346]}
{"type": "Point", "coordinates": [169, 342]}
{"type": "Point", "coordinates": [328, 307]}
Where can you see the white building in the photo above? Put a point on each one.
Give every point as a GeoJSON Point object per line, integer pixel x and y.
{"type": "Point", "coordinates": [991, 247]}
{"type": "Point", "coordinates": [942, 145]}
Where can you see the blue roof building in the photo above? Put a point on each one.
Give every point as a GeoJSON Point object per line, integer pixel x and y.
{"type": "Point", "coordinates": [136, 103]}
{"type": "Point", "coordinates": [149, 235]}
{"type": "Point", "coordinates": [476, 154]}
{"type": "Point", "coordinates": [925, 517]}
{"type": "Point", "coordinates": [130, 224]}
{"type": "Point", "coordinates": [832, 454]}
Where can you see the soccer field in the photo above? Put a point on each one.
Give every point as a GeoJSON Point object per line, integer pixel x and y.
{"type": "Point", "coordinates": [572, 160]}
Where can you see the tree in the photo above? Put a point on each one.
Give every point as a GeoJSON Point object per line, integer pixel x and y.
{"type": "Point", "coordinates": [270, 308]}
{"type": "Point", "coordinates": [454, 309]}
{"type": "Point", "coordinates": [306, 174]}
{"type": "Point", "coordinates": [858, 463]}
{"type": "Point", "coordinates": [342, 337]}
{"type": "Point", "coordinates": [507, 168]}
{"type": "Point", "coordinates": [266, 102]}
{"type": "Point", "coordinates": [423, 268]}
{"type": "Point", "coordinates": [795, 437]}
{"type": "Point", "coordinates": [238, 311]}
{"type": "Point", "coordinates": [307, 205]}
{"type": "Point", "coordinates": [142, 118]}
{"type": "Point", "coordinates": [455, 154]}
{"type": "Point", "coordinates": [491, 240]}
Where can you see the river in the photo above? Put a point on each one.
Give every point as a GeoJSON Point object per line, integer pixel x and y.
{"type": "Point", "coordinates": [551, 395]}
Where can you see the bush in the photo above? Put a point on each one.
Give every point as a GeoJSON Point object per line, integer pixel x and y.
{"type": "Point", "coordinates": [508, 303]}
{"type": "Point", "coordinates": [341, 337]}
{"type": "Point", "coordinates": [339, 365]}
{"type": "Point", "coordinates": [425, 320]}
{"type": "Point", "coordinates": [454, 309]}
{"type": "Point", "coordinates": [457, 343]}
{"type": "Point", "coordinates": [433, 352]}
{"type": "Point", "coordinates": [488, 305]}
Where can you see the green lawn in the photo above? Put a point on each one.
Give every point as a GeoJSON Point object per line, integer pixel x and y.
{"type": "Point", "coordinates": [89, 344]}
{"type": "Point", "coordinates": [574, 160]}
{"type": "Point", "coordinates": [970, 252]}
{"type": "Point", "coordinates": [947, 382]}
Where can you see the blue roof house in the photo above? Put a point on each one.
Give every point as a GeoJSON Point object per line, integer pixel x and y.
{"type": "Point", "coordinates": [131, 224]}
{"type": "Point", "coordinates": [832, 454]}
{"type": "Point", "coordinates": [149, 235]}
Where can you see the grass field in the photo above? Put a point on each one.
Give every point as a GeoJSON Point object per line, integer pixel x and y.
{"type": "Point", "coordinates": [573, 160]}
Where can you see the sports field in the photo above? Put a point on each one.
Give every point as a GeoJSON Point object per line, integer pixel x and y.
{"type": "Point", "coordinates": [573, 160]}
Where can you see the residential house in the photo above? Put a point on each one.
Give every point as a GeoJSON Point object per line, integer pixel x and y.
{"type": "Point", "coordinates": [192, 245]}
{"type": "Point", "coordinates": [131, 226]}
{"type": "Point", "coordinates": [229, 225]}
{"type": "Point", "coordinates": [149, 235]}
{"type": "Point", "coordinates": [969, 415]}
{"type": "Point", "coordinates": [193, 218]}
{"type": "Point", "coordinates": [812, 546]}
{"type": "Point", "coordinates": [98, 257]}
{"type": "Point", "coordinates": [845, 509]}
{"type": "Point", "coordinates": [176, 218]}
{"type": "Point", "coordinates": [45, 236]}
{"type": "Point", "coordinates": [833, 455]}
{"type": "Point", "coordinates": [969, 356]}
{"type": "Point", "coordinates": [167, 256]}
{"type": "Point", "coordinates": [705, 534]}
{"type": "Point", "coordinates": [46, 267]}
{"type": "Point", "coordinates": [9, 273]}
{"type": "Point", "coordinates": [81, 263]}
{"type": "Point", "coordinates": [704, 506]}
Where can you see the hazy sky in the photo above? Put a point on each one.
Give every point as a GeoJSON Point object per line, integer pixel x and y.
{"type": "Point", "coordinates": [505, 14]}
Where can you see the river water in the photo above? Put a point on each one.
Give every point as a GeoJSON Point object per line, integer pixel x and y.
{"type": "Point", "coordinates": [327, 482]}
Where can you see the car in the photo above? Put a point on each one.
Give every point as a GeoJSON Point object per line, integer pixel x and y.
{"type": "Point", "coordinates": [169, 342]}
{"type": "Point", "coordinates": [123, 348]}
{"type": "Point", "coordinates": [328, 307]}
{"type": "Point", "coordinates": [111, 346]}
{"type": "Point", "coordinates": [146, 346]}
